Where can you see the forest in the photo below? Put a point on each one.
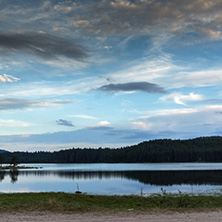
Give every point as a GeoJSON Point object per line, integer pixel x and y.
{"type": "Point", "coordinates": [203, 149]}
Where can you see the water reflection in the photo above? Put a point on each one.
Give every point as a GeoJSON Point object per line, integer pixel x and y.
{"type": "Point", "coordinates": [13, 174]}
{"type": "Point", "coordinates": [158, 178]}
{"type": "Point", "coordinates": [2, 175]}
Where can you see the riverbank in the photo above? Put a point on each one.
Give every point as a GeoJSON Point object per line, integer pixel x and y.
{"type": "Point", "coordinates": [81, 203]}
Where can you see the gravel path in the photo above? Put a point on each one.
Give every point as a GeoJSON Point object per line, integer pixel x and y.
{"type": "Point", "coordinates": [207, 216]}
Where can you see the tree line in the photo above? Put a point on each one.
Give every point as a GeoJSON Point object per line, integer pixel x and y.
{"type": "Point", "coordinates": [203, 149]}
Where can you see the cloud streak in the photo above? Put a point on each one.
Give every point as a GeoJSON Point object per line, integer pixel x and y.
{"type": "Point", "coordinates": [13, 123]}
{"type": "Point", "coordinates": [82, 116]}
{"type": "Point", "coordinates": [8, 78]}
{"type": "Point", "coordinates": [14, 103]}
{"type": "Point", "coordinates": [42, 45]}
{"type": "Point", "coordinates": [132, 86]}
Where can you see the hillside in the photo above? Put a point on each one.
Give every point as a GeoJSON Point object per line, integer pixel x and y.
{"type": "Point", "coordinates": [204, 149]}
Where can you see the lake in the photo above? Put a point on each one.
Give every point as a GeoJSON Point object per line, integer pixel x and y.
{"type": "Point", "coordinates": [115, 179]}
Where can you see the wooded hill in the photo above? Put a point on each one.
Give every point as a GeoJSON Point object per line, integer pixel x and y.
{"type": "Point", "coordinates": [204, 149]}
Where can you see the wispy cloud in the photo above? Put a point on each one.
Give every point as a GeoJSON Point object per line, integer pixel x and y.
{"type": "Point", "coordinates": [8, 78]}
{"type": "Point", "coordinates": [82, 116]}
{"type": "Point", "coordinates": [13, 123]}
{"type": "Point", "coordinates": [14, 103]}
{"type": "Point", "coordinates": [184, 78]}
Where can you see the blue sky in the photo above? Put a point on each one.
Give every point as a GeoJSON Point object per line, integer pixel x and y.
{"type": "Point", "coordinates": [108, 73]}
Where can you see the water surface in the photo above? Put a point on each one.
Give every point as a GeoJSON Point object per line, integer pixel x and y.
{"type": "Point", "coordinates": [115, 179]}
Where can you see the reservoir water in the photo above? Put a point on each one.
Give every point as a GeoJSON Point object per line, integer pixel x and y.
{"type": "Point", "coordinates": [115, 179]}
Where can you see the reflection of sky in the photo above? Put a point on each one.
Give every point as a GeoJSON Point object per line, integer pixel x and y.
{"type": "Point", "coordinates": [49, 179]}
{"type": "Point", "coordinates": [56, 184]}
{"type": "Point", "coordinates": [130, 167]}
{"type": "Point", "coordinates": [114, 186]}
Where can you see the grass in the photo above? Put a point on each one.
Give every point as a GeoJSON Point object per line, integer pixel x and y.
{"type": "Point", "coordinates": [65, 202]}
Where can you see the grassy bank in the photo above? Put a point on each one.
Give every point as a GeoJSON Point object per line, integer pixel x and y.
{"type": "Point", "coordinates": [63, 202]}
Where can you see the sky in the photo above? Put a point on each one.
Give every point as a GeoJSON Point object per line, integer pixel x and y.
{"type": "Point", "coordinates": [99, 73]}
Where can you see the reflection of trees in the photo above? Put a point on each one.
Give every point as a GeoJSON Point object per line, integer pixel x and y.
{"type": "Point", "coordinates": [14, 175]}
{"type": "Point", "coordinates": [2, 175]}
{"type": "Point", "coordinates": [164, 178]}
{"type": "Point", "coordinates": [211, 177]}
{"type": "Point", "coordinates": [199, 177]}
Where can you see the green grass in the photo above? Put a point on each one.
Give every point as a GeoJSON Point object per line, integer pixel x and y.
{"type": "Point", "coordinates": [65, 202]}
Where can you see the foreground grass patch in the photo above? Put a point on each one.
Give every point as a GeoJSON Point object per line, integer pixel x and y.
{"type": "Point", "coordinates": [65, 202]}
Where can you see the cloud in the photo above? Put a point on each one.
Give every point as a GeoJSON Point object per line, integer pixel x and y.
{"type": "Point", "coordinates": [119, 17]}
{"type": "Point", "coordinates": [98, 135]}
{"type": "Point", "coordinates": [63, 122]}
{"type": "Point", "coordinates": [14, 103]}
{"type": "Point", "coordinates": [133, 86]}
{"type": "Point", "coordinates": [142, 125]}
{"type": "Point", "coordinates": [143, 70]}
{"type": "Point", "coordinates": [102, 125]}
{"type": "Point", "coordinates": [42, 45]}
{"type": "Point", "coordinates": [8, 78]}
{"type": "Point", "coordinates": [171, 123]}
{"type": "Point", "coordinates": [204, 121]}
{"type": "Point", "coordinates": [181, 99]}
{"type": "Point", "coordinates": [150, 17]}
{"type": "Point", "coordinates": [165, 72]}
{"type": "Point", "coordinates": [107, 47]}
{"type": "Point", "coordinates": [52, 89]}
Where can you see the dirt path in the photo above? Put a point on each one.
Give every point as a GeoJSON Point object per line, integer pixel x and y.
{"type": "Point", "coordinates": [207, 216]}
